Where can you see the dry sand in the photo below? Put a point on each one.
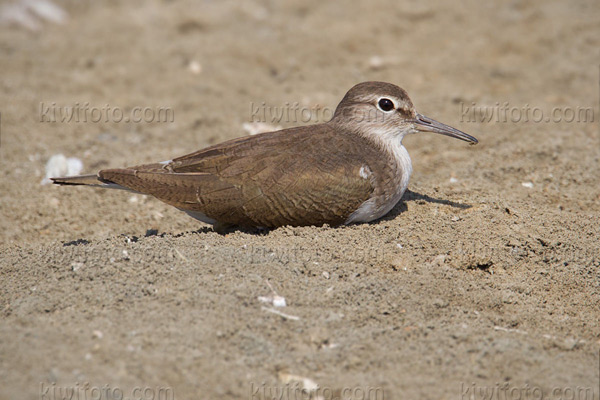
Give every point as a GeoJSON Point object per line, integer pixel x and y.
{"type": "Point", "coordinates": [485, 275]}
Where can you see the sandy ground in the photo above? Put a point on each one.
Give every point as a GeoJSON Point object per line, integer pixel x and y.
{"type": "Point", "coordinates": [485, 277]}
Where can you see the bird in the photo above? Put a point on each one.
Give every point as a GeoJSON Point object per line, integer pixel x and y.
{"type": "Point", "coordinates": [351, 169]}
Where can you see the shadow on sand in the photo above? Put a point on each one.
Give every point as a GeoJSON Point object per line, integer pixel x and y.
{"type": "Point", "coordinates": [418, 197]}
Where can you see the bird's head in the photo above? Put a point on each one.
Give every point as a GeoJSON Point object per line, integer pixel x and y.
{"type": "Point", "coordinates": [379, 108]}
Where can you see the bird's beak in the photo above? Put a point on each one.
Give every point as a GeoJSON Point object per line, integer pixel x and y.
{"type": "Point", "coordinates": [425, 124]}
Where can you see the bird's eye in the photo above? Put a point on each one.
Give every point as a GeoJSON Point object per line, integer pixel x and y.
{"type": "Point", "coordinates": [386, 104]}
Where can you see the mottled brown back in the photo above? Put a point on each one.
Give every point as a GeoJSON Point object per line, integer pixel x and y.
{"type": "Point", "coordinates": [298, 176]}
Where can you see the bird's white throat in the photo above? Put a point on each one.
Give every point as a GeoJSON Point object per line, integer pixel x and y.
{"type": "Point", "coordinates": [391, 142]}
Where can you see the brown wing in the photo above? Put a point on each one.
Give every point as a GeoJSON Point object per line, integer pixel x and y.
{"type": "Point", "coordinates": [297, 176]}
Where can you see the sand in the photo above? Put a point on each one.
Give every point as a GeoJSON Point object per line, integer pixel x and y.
{"type": "Point", "coordinates": [485, 277]}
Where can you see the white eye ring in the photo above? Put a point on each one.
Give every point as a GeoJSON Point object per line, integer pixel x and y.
{"type": "Point", "coordinates": [384, 103]}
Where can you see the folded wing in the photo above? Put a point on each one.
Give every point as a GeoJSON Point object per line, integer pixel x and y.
{"type": "Point", "coordinates": [290, 177]}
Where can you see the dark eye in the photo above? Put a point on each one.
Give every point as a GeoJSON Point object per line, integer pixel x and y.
{"type": "Point", "coordinates": [386, 104]}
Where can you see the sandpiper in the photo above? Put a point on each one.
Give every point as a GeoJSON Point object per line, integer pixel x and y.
{"type": "Point", "coordinates": [351, 169]}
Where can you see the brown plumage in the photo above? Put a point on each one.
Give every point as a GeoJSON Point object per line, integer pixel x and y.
{"type": "Point", "coordinates": [350, 169]}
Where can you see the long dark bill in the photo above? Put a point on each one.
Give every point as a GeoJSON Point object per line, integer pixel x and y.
{"type": "Point", "coordinates": [427, 124]}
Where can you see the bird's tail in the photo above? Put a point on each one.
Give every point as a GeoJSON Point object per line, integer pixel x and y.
{"type": "Point", "coordinates": [89, 180]}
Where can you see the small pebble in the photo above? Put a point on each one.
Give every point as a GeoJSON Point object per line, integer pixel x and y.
{"type": "Point", "coordinates": [376, 62]}
{"type": "Point", "coordinates": [195, 67]}
{"type": "Point", "coordinates": [76, 266]}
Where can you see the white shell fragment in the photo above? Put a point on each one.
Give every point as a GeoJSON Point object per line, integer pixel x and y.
{"type": "Point", "coordinates": [30, 14]}
{"type": "Point", "coordinates": [276, 301]}
{"type": "Point", "coordinates": [306, 383]}
{"type": "Point", "coordinates": [59, 165]}
{"type": "Point", "coordinates": [254, 128]}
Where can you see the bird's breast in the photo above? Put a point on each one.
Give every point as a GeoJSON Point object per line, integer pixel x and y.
{"type": "Point", "coordinates": [390, 176]}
